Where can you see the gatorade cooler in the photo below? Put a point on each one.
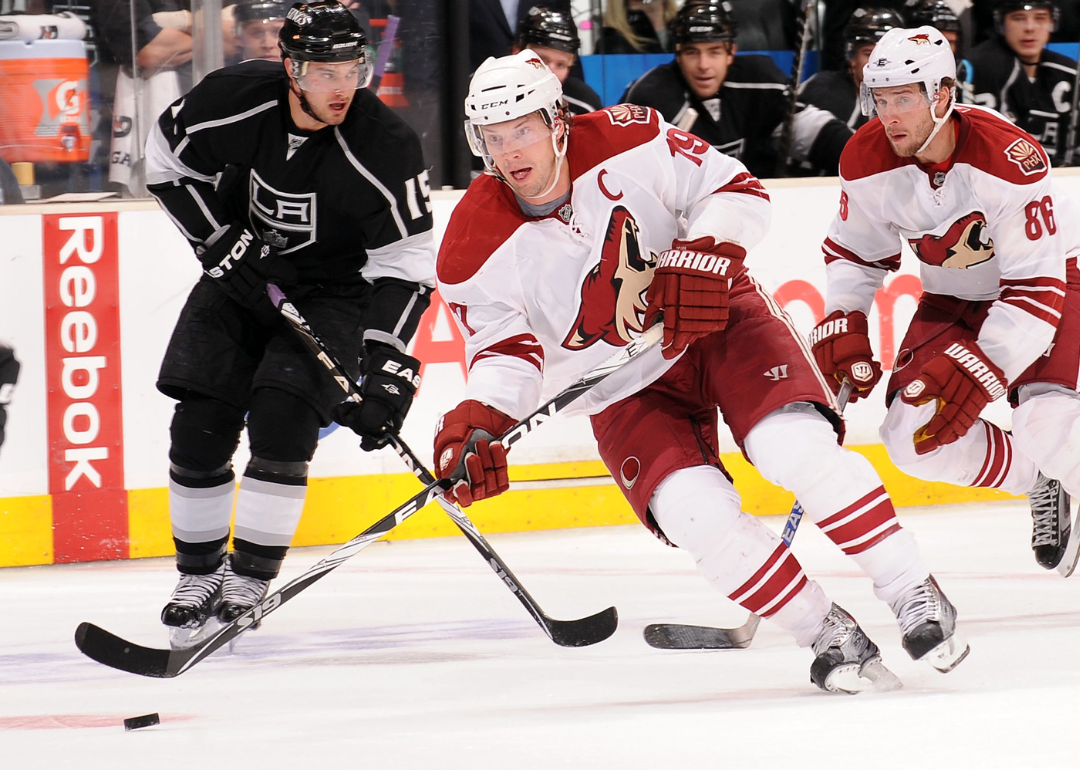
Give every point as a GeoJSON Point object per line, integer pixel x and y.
{"type": "Point", "coordinates": [44, 101]}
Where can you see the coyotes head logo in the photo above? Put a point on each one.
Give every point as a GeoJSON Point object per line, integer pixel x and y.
{"type": "Point", "coordinates": [613, 294]}
{"type": "Point", "coordinates": [966, 243]}
{"type": "Point", "coordinates": [922, 39]}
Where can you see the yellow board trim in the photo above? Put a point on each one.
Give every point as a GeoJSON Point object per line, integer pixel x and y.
{"type": "Point", "coordinates": [339, 508]}
{"type": "Point", "coordinates": [26, 531]}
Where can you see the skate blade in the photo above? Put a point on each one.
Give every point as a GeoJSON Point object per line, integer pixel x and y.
{"type": "Point", "coordinates": [1067, 565]}
{"type": "Point", "coordinates": [183, 638]}
{"type": "Point", "coordinates": [949, 654]}
{"type": "Point", "coordinates": [852, 679]}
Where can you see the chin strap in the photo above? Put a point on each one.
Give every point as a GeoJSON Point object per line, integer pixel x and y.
{"type": "Point", "coordinates": [938, 122]}
{"type": "Point", "coordinates": [560, 156]}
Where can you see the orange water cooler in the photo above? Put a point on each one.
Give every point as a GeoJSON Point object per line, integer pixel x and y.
{"type": "Point", "coordinates": [44, 101]}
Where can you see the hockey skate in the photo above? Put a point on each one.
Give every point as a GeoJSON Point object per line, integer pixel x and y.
{"type": "Point", "coordinates": [1051, 525]}
{"type": "Point", "coordinates": [191, 611]}
{"type": "Point", "coordinates": [928, 626]}
{"type": "Point", "coordinates": [239, 593]}
{"type": "Point", "coordinates": [847, 661]}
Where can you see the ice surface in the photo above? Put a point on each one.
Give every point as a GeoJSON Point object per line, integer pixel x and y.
{"type": "Point", "coordinates": [412, 655]}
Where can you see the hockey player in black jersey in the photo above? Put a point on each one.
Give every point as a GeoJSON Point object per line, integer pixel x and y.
{"type": "Point", "coordinates": [735, 103]}
{"type": "Point", "coordinates": [323, 190]}
{"type": "Point", "coordinates": [553, 36]}
{"type": "Point", "coordinates": [838, 90]}
{"type": "Point", "coordinates": [9, 375]}
{"type": "Point", "coordinates": [1015, 74]}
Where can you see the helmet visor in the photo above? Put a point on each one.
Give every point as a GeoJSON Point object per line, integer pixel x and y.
{"type": "Point", "coordinates": [509, 136]}
{"type": "Point", "coordinates": [330, 77]}
{"type": "Point", "coordinates": [895, 100]}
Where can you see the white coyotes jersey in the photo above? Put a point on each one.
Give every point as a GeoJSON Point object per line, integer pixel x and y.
{"type": "Point", "coordinates": [542, 301]}
{"type": "Point", "coordinates": [988, 226]}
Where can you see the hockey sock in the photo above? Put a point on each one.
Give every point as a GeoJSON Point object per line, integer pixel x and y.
{"type": "Point", "coordinates": [698, 510]}
{"type": "Point", "coordinates": [985, 456]}
{"type": "Point", "coordinates": [200, 505]}
{"type": "Point", "coordinates": [1046, 427]}
{"type": "Point", "coordinates": [268, 509]}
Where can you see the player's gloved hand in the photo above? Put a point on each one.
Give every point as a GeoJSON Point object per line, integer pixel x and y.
{"type": "Point", "coordinates": [389, 381]}
{"type": "Point", "coordinates": [242, 264]}
{"type": "Point", "coordinates": [690, 288]}
{"type": "Point", "coordinates": [841, 346]}
{"type": "Point", "coordinates": [466, 439]}
{"type": "Point", "coordinates": [962, 381]}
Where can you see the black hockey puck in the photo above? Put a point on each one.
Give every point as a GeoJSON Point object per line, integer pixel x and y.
{"type": "Point", "coordinates": [148, 720]}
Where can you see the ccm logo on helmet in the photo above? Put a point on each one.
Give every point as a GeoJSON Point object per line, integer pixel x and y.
{"type": "Point", "coordinates": [489, 105]}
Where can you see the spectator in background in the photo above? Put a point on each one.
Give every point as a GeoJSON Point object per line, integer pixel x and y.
{"type": "Point", "coordinates": [735, 103]}
{"type": "Point", "coordinates": [256, 26]}
{"type": "Point", "coordinates": [553, 36]}
{"type": "Point", "coordinates": [939, 15]}
{"type": "Point", "coordinates": [9, 375]}
{"type": "Point", "coordinates": [637, 26]}
{"type": "Point", "coordinates": [153, 73]}
{"type": "Point", "coordinates": [1015, 74]}
{"type": "Point", "coordinates": [493, 25]}
{"type": "Point", "coordinates": [838, 90]}
{"type": "Point", "coordinates": [833, 22]}
{"type": "Point", "coordinates": [766, 25]}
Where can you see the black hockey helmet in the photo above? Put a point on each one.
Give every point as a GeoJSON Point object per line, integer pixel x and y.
{"type": "Point", "coordinates": [323, 31]}
{"type": "Point", "coordinates": [259, 10]}
{"type": "Point", "coordinates": [867, 25]}
{"type": "Point", "coordinates": [548, 28]}
{"type": "Point", "coordinates": [1003, 8]}
{"type": "Point", "coordinates": [703, 22]}
{"type": "Point", "coordinates": [932, 13]}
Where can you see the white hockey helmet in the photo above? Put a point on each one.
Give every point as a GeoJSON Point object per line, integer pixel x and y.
{"type": "Point", "coordinates": [508, 88]}
{"type": "Point", "coordinates": [905, 56]}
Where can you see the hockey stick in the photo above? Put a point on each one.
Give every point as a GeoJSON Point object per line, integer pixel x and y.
{"type": "Point", "coordinates": [787, 128]}
{"type": "Point", "coordinates": [112, 650]}
{"type": "Point", "coordinates": [566, 633]}
{"type": "Point", "coordinates": [677, 636]}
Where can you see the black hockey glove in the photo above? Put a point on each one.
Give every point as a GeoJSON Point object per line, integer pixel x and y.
{"type": "Point", "coordinates": [242, 264]}
{"type": "Point", "coordinates": [390, 380]}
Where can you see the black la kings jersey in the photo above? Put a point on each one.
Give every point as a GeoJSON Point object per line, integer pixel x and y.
{"type": "Point", "coordinates": [1040, 107]}
{"type": "Point", "coordinates": [743, 117]}
{"type": "Point", "coordinates": [834, 90]}
{"type": "Point", "coordinates": [344, 204]}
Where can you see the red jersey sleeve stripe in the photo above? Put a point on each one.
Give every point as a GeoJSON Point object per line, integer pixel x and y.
{"type": "Point", "coordinates": [834, 251]}
{"type": "Point", "coordinates": [523, 346]}
{"type": "Point", "coordinates": [743, 183]}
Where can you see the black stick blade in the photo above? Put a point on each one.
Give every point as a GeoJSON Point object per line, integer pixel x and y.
{"type": "Point", "coordinates": [586, 631]}
{"type": "Point", "coordinates": [676, 636]}
{"type": "Point", "coordinates": [110, 650]}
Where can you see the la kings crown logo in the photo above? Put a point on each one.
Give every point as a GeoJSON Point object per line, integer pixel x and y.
{"type": "Point", "coordinates": [290, 217]}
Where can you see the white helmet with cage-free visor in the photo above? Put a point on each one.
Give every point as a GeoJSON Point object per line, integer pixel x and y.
{"type": "Point", "coordinates": [905, 56]}
{"type": "Point", "coordinates": [506, 89]}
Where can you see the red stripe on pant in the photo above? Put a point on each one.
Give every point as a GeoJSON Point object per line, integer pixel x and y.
{"type": "Point", "coordinates": [998, 458]}
{"type": "Point", "coordinates": [766, 595]}
{"type": "Point", "coordinates": [879, 518]}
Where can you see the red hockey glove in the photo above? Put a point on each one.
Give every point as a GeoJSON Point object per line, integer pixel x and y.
{"type": "Point", "coordinates": [842, 351]}
{"type": "Point", "coordinates": [466, 446]}
{"type": "Point", "coordinates": [690, 288]}
{"type": "Point", "coordinates": [962, 380]}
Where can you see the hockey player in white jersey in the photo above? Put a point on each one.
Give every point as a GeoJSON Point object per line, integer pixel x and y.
{"type": "Point", "coordinates": [581, 234]}
{"type": "Point", "coordinates": [1000, 313]}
